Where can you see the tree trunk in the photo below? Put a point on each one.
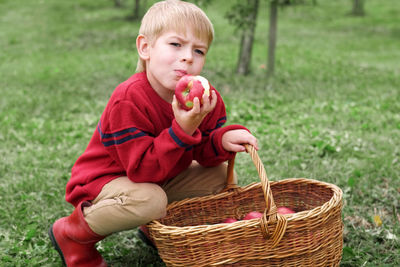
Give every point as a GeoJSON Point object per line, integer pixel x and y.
{"type": "Point", "coordinates": [117, 3]}
{"type": "Point", "coordinates": [136, 10]}
{"type": "Point", "coordinates": [358, 8]}
{"type": "Point", "coordinates": [246, 45]}
{"type": "Point", "coordinates": [273, 22]}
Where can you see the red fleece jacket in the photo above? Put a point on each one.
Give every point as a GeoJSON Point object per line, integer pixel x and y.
{"type": "Point", "coordinates": [138, 137]}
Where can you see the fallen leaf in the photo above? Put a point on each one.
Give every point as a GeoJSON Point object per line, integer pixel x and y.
{"type": "Point", "coordinates": [390, 235]}
{"type": "Point", "coordinates": [377, 221]}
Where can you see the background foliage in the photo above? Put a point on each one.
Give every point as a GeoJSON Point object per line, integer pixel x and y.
{"type": "Point", "coordinates": [331, 112]}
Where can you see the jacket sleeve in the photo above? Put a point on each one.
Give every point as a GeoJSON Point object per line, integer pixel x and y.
{"type": "Point", "coordinates": [128, 135]}
{"type": "Point", "coordinates": [209, 152]}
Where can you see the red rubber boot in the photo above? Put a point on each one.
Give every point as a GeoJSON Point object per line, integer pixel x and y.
{"type": "Point", "coordinates": [74, 240]}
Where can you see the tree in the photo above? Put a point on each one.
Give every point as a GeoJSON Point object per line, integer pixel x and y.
{"type": "Point", "coordinates": [273, 29]}
{"type": "Point", "coordinates": [136, 10]}
{"type": "Point", "coordinates": [117, 3]}
{"type": "Point", "coordinates": [358, 8]}
{"type": "Point", "coordinates": [272, 36]}
{"type": "Point", "coordinates": [247, 24]}
{"type": "Point", "coordinates": [244, 16]}
{"type": "Point", "coordinates": [246, 46]}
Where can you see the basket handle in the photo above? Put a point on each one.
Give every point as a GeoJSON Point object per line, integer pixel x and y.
{"type": "Point", "coordinates": [230, 180]}
{"type": "Point", "coordinates": [270, 212]}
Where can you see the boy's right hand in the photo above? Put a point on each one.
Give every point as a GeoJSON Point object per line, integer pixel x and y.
{"type": "Point", "coordinates": [190, 120]}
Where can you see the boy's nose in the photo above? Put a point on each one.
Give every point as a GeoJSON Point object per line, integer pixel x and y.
{"type": "Point", "coordinates": [187, 56]}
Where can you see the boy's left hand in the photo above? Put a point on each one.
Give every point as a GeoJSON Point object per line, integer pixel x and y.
{"type": "Point", "coordinates": [234, 140]}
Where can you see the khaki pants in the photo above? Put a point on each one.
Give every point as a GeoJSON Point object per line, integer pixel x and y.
{"type": "Point", "coordinates": [123, 204]}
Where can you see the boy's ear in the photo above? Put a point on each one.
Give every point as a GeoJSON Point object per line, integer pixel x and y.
{"type": "Point", "coordinates": [143, 45]}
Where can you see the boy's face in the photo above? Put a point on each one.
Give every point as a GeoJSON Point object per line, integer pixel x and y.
{"type": "Point", "coordinates": [171, 56]}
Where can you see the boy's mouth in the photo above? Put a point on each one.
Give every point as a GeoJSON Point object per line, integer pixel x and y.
{"type": "Point", "coordinates": [180, 73]}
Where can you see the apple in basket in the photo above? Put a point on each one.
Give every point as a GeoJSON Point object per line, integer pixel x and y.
{"type": "Point", "coordinates": [252, 215]}
{"type": "Point", "coordinates": [229, 220]}
{"type": "Point", "coordinates": [285, 210]}
{"type": "Point", "coordinates": [189, 87]}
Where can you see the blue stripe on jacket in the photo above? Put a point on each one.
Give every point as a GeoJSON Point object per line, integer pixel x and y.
{"type": "Point", "coordinates": [115, 141]}
{"type": "Point", "coordinates": [220, 122]}
{"type": "Point", "coordinates": [176, 138]}
{"type": "Point", "coordinates": [116, 134]}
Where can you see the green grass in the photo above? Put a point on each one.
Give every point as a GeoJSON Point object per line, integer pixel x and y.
{"type": "Point", "coordinates": [330, 113]}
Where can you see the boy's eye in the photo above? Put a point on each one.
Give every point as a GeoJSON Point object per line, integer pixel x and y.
{"type": "Point", "coordinates": [198, 51]}
{"type": "Point", "coordinates": [175, 44]}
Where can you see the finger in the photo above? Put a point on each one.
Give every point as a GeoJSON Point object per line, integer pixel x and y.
{"type": "Point", "coordinates": [175, 104]}
{"type": "Point", "coordinates": [209, 103]}
{"type": "Point", "coordinates": [236, 147]}
{"type": "Point", "coordinates": [213, 99]}
{"type": "Point", "coordinates": [205, 103]}
{"type": "Point", "coordinates": [196, 105]}
{"type": "Point", "coordinates": [252, 141]}
{"type": "Point", "coordinates": [205, 99]}
{"type": "Point", "coordinates": [255, 144]}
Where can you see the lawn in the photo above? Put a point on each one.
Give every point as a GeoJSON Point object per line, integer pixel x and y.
{"type": "Point", "coordinates": [331, 112]}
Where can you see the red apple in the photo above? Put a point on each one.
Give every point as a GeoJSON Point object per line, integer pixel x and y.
{"type": "Point", "coordinates": [229, 220]}
{"type": "Point", "coordinates": [285, 210]}
{"type": "Point", "coordinates": [189, 87]}
{"type": "Point", "coordinates": [253, 215]}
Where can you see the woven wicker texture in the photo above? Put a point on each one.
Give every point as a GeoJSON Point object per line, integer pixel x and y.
{"type": "Point", "coordinates": [192, 233]}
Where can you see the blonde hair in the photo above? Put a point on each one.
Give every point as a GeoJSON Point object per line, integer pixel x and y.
{"type": "Point", "coordinates": [174, 15]}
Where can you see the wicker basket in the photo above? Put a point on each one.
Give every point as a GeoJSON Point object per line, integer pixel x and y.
{"type": "Point", "coordinates": [192, 233]}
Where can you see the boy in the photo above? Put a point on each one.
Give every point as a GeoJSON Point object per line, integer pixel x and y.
{"type": "Point", "coordinates": [147, 151]}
